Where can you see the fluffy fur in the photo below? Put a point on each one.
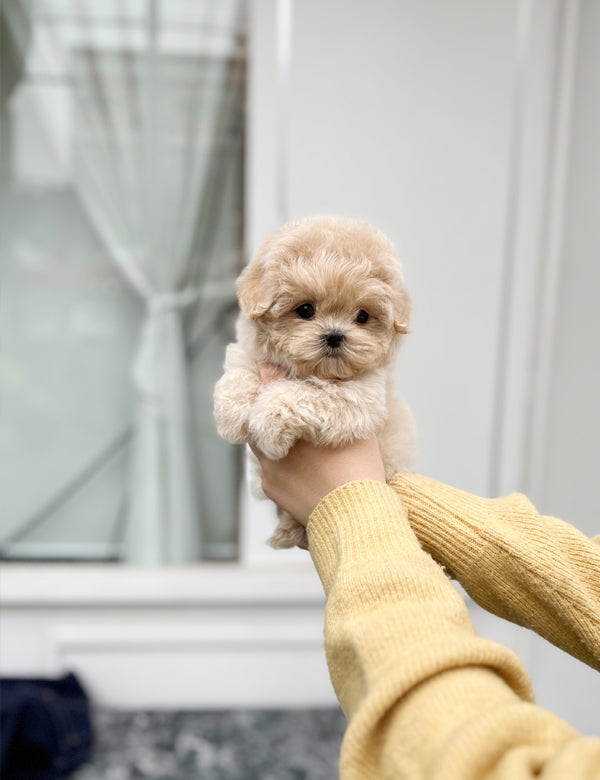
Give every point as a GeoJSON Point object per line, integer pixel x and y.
{"type": "Point", "coordinates": [324, 301]}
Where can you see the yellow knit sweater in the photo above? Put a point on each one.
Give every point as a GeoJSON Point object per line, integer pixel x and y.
{"type": "Point", "coordinates": [424, 695]}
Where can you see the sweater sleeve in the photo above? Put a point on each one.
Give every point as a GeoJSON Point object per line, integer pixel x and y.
{"type": "Point", "coordinates": [424, 695]}
{"type": "Point", "coordinates": [536, 571]}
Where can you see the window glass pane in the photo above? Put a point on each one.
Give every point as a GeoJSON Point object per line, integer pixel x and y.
{"type": "Point", "coordinates": [121, 235]}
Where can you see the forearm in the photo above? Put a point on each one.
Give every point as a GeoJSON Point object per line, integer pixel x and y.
{"type": "Point", "coordinates": [536, 571]}
{"type": "Point", "coordinates": [424, 695]}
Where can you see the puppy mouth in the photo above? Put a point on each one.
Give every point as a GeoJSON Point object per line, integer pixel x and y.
{"type": "Point", "coordinates": [333, 352]}
{"type": "Point", "coordinates": [334, 361]}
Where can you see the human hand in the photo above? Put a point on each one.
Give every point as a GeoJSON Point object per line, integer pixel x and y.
{"type": "Point", "coordinates": [308, 473]}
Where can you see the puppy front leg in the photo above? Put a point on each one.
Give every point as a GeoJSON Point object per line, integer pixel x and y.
{"type": "Point", "coordinates": [274, 421]}
{"type": "Point", "coordinates": [323, 412]}
{"type": "Point", "coordinates": [340, 412]}
{"type": "Point", "coordinates": [235, 393]}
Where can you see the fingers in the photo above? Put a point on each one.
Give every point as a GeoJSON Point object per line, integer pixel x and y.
{"type": "Point", "coordinates": [307, 473]}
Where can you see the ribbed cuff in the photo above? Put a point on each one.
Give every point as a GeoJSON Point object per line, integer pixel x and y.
{"type": "Point", "coordinates": [360, 520]}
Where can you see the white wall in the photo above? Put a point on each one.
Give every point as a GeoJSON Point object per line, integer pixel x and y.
{"type": "Point", "coordinates": [570, 469]}
{"type": "Point", "coordinates": [454, 126]}
{"type": "Point", "coordinates": [569, 458]}
{"type": "Point", "coordinates": [400, 114]}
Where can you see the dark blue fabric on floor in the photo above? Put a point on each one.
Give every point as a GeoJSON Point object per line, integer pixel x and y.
{"type": "Point", "coordinates": [45, 729]}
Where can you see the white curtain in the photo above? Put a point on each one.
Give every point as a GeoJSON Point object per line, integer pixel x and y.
{"type": "Point", "coordinates": [147, 113]}
{"type": "Point", "coordinates": [153, 84]}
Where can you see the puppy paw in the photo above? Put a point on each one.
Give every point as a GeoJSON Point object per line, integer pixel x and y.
{"type": "Point", "coordinates": [232, 423]}
{"type": "Point", "coordinates": [273, 424]}
{"type": "Point", "coordinates": [231, 406]}
{"type": "Point", "coordinates": [274, 442]}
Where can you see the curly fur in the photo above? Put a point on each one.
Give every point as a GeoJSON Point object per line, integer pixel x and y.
{"type": "Point", "coordinates": [330, 394]}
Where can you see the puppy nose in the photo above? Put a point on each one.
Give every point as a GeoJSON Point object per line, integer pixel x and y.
{"type": "Point", "coordinates": [334, 338]}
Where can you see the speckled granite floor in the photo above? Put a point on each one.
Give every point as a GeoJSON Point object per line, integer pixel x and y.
{"type": "Point", "coordinates": [238, 745]}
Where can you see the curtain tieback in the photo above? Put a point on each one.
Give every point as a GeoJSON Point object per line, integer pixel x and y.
{"type": "Point", "coordinates": [157, 338]}
{"type": "Point", "coordinates": [161, 302]}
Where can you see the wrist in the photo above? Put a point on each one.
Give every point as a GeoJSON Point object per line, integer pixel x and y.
{"type": "Point", "coordinates": [357, 521]}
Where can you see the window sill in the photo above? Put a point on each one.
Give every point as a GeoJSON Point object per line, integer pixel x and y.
{"type": "Point", "coordinates": [98, 584]}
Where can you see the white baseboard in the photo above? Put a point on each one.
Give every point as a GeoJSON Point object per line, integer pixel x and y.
{"type": "Point", "coordinates": [193, 638]}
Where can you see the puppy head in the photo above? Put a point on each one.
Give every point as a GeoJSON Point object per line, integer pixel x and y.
{"type": "Point", "coordinates": [326, 298]}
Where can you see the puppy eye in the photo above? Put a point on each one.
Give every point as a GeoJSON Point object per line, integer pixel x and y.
{"type": "Point", "coordinates": [306, 311]}
{"type": "Point", "coordinates": [362, 317]}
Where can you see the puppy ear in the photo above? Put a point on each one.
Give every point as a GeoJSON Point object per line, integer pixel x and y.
{"type": "Point", "coordinates": [255, 293]}
{"type": "Point", "coordinates": [402, 311]}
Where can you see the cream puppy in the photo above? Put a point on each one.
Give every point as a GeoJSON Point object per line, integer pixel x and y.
{"type": "Point", "coordinates": [323, 301]}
